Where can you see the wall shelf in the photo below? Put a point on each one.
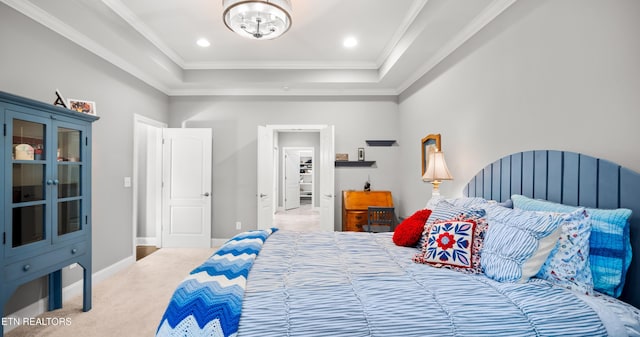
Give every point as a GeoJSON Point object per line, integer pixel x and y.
{"type": "Point", "coordinates": [380, 142]}
{"type": "Point", "coordinates": [361, 163]}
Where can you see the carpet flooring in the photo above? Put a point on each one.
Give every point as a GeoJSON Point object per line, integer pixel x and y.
{"type": "Point", "coordinates": [132, 302]}
{"type": "Point", "coordinates": [129, 303]}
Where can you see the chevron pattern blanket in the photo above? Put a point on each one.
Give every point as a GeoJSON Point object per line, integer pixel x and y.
{"type": "Point", "coordinates": [208, 302]}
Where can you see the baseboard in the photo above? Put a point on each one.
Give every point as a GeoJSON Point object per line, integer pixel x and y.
{"type": "Point", "coordinates": [146, 241]}
{"type": "Point", "coordinates": [216, 242]}
{"type": "Point", "coordinates": [72, 290]}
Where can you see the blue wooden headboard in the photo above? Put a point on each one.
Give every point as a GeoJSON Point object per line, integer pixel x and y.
{"type": "Point", "coordinates": [572, 179]}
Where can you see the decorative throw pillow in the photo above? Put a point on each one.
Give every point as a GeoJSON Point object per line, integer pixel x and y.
{"type": "Point", "coordinates": [445, 211]}
{"type": "Point", "coordinates": [409, 231]}
{"type": "Point", "coordinates": [568, 263]}
{"type": "Point", "coordinates": [518, 243]}
{"type": "Point", "coordinates": [609, 244]}
{"type": "Point", "coordinates": [450, 243]}
{"type": "Point", "coordinates": [479, 233]}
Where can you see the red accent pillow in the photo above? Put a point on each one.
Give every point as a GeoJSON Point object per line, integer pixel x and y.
{"type": "Point", "coordinates": [409, 231]}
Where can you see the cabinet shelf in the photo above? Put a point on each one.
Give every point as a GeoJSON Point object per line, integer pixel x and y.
{"type": "Point", "coordinates": [380, 142]}
{"type": "Point", "coordinates": [360, 163]}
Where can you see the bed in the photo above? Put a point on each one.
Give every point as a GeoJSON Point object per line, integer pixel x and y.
{"type": "Point", "coordinates": [283, 283]}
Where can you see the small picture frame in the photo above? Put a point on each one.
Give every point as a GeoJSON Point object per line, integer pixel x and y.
{"type": "Point", "coordinates": [361, 154]}
{"type": "Point", "coordinates": [87, 107]}
{"type": "Point", "coordinates": [342, 156]}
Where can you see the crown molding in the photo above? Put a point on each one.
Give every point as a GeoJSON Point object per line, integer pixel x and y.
{"type": "Point", "coordinates": [280, 66]}
{"type": "Point", "coordinates": [51, 22]}
{"type": "Point", "coordinates": [413, 13]}
{"type": "Point", "coordinates": [479, 22]}
{"type": "Point", "coordinates": [127, 15]}
{"type": "Point", "coordinates": [283, 92]}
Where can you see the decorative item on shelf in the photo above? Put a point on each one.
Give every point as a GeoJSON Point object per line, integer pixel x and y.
{"type": "Point", "coordinates": [257, 19]}
{"type": "Point", "coordinates": [436, 172]}
{"type": "Point", "coordinates": [24, 152]}
{"type": "Point", "coordinates": [87, 107]}
{"type": "Point", "coordinates": [59, 99]}
{"type": "Point", "coordinates": [38, 151]}
{"type": "Point", "coordinates": [361, 154]}
{"type": "Point", "coordinates": [342, 156]}
{"type": "Point", "coordinates": [367, 186]}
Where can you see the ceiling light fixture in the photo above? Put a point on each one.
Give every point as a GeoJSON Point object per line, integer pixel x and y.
{"type": "Point", "coordinates": [202, 42]}
{"type": "Point", "coordinates": [258, 19]}
{"type": "Point", "coordinates": [350, 42]}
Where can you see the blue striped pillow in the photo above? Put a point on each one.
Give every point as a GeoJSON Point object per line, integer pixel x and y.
{"type": "Point", "coordinates": [518, 242]}
{"type": "Point", "coordinates": [609, 245]}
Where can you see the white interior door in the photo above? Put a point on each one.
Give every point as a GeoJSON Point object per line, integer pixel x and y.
{"type": "Point", "coordinates": [327, 188]}
{"type": "Point", "coordinates": [291, 180]}
{"type": "Point", "coordinates": [266, 181]}
{"type": "Point", "coordinates": [186, 193]}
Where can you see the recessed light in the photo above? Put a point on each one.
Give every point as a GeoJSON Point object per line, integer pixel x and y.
{"type": "Point", "coordinates": [350, 42]}
{"type": "Point", "coordinates": [203, 42]}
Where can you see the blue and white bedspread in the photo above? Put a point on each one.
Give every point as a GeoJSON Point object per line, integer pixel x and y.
{"type": "Point", "coordinates": [208, 302]}
{"type": "Point", "coordinates": [361, 284]}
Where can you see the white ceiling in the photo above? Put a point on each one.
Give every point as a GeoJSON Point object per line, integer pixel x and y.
{"type": "Point", "coordinates": [155, 40]}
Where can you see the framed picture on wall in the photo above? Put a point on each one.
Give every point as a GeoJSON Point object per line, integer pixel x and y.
{"type": "Point", "coordinates": [87, 107]}
{"type": "Point", "coordinates": [429, 144]}
{"type": "Point", "coordinates": [361, 153]}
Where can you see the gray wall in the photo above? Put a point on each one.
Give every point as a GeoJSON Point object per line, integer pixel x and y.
{"type": "Point", "coordinates": [545, 75]}
{"type": "Point", "coordinates": [34, 62]}
{"type": "Point", "coordinates": [234, 121]}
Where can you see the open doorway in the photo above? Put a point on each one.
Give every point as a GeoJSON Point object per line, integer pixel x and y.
{"type": "Point", "coordinates": [147, 173]}
{"type": "Point", "coordinates": [297, 208]}
{"type": "Point", "coordinates": [171, 186]}
{"type": "Point", "coordinates": [272, 139]}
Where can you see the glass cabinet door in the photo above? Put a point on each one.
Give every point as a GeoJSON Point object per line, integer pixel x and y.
{"type": "Point", "coordinates": [28, 171]}
{"type": "Point", "coordinates": [69, 180]}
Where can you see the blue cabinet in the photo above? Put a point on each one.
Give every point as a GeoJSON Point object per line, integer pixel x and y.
{"type": "Point", "coordinates": [46, 195]}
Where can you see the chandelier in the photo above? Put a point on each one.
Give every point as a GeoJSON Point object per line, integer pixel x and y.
{"type": "Point", "coordinates": [257, 19]}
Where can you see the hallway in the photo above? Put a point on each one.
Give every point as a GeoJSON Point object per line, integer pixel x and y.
{"type": "Point", "coordinates": [302, 219]}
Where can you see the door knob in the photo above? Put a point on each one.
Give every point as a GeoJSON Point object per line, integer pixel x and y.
{"type": "Point", "coordinates": [262, 195]}
{"type": "Point", "coordinates": [206, 194]}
